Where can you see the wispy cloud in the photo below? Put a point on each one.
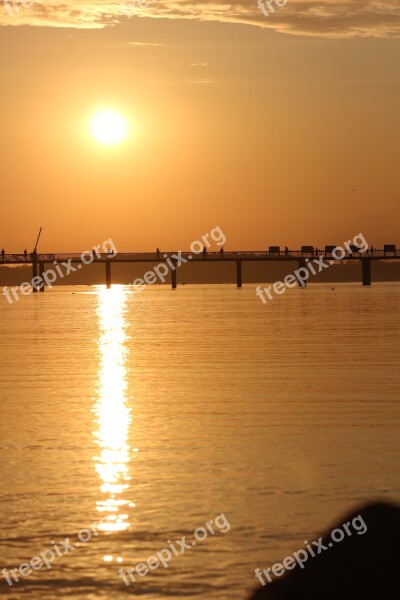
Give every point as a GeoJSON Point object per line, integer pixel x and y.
{"type": "Point", "coordinates": [144, 44]}
{"type": "Point", "coordinates": [332, 18]}
{"type": "Point", "coordinates": [202, 82]}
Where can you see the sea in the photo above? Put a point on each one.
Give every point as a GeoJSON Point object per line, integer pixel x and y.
{"type": "Point", "coordinates": [197, 425]}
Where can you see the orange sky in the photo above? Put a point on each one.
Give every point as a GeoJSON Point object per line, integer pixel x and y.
{"type": "Point", "coordinates": [263, 126]}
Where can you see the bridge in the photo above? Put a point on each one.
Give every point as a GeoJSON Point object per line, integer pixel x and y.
{"type": "Point", "coordinates": [303, 257]}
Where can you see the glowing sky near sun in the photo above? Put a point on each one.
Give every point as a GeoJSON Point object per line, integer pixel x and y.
{"type": "Point", "coordinates": [276, 138]}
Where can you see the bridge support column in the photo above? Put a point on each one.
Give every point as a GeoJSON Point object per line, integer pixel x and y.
{"type": "Point", "coordinates": [108, 274]}
{"type": "Point", "coordinates": [173, 275]}
{"type": "Point", "coordinates": [41, 271]}
{"type": "Point", "coordinates": [34, 268]}
{"type": "Point", "coordinates": [239, 279]}
{"type": "Point", "coordinates": [302, 265]}
{"type": "Point", "coordinates": [366, 271]}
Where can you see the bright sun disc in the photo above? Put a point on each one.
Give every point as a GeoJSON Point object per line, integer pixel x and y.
{"type": "Point", "coordinates": [108, 127]}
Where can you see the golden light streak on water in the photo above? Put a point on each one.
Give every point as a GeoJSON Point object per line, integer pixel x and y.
{"type": "Point", "coordinates": [113, 417]}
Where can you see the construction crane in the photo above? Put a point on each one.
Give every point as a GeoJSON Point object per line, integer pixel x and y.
{"type": "Point", "coordinates": [37, 241]}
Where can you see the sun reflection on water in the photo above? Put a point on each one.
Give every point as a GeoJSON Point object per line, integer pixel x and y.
{"type": "Point", "coordinates": [113, 417]}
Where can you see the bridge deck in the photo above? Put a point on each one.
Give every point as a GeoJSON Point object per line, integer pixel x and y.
{"type": "Point", "coordinates": [249, 255]}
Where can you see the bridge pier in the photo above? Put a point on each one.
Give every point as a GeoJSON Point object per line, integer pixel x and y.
{"type": "Point", "coordinates": [366, 271]}
{"type": "Point", "coordinates": [41, 271]}
{"type": "Point", "coordinates": [173, 275]}
{"type": "Point", "coordinates": [302, 265]}
{"type": "Point", "coordinates": [34, 268]}
{"type": "Point", "coordinates": [108, 274]}
{"type": "Point", "coordinates": [239, 280]}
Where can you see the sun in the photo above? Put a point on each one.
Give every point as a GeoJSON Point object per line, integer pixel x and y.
{"type": "Point", "coordinates": [109, 127]}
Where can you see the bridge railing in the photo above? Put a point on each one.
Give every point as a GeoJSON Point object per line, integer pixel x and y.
{"type": "Point", "coordinates": [21, 258]}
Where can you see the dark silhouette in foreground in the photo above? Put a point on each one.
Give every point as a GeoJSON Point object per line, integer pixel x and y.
{"type": "Point", "coordinates": [361, 567]}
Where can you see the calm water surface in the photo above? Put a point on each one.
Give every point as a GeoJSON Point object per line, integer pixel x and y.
{"type": "Point", "coordinates": [151, 414]}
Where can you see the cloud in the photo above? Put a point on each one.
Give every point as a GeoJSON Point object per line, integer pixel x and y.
{"type": "Point", "coordinates": [328, 18]}
{"type": "Point", "coordinates": [144, 44]}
